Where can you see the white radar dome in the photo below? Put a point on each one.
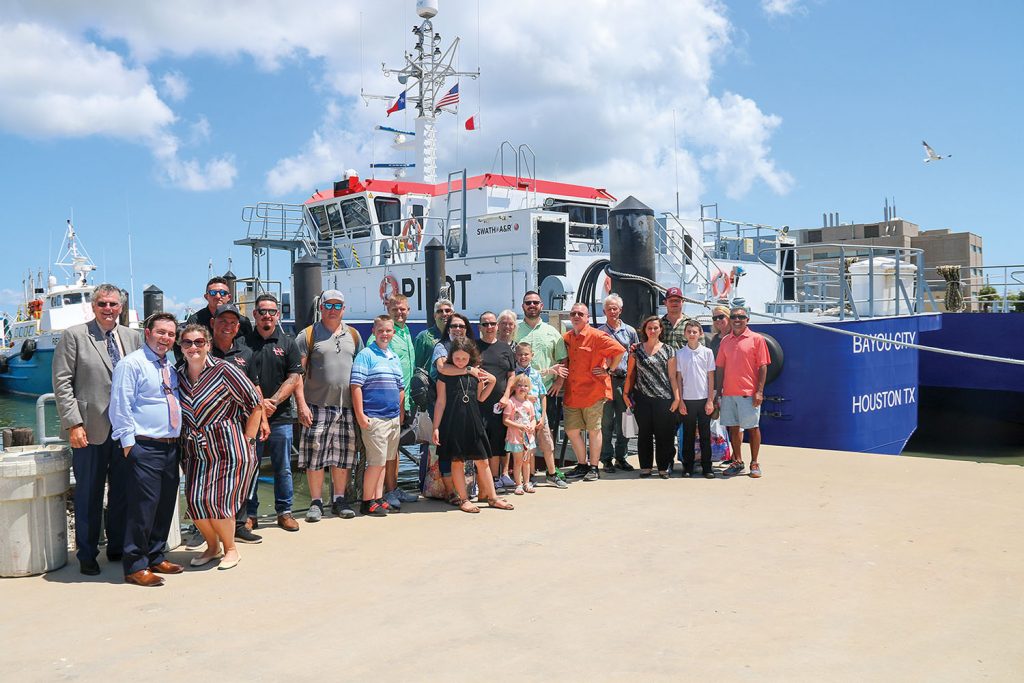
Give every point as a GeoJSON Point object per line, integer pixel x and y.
{"type": "Point", "coordinates": [426, 8]}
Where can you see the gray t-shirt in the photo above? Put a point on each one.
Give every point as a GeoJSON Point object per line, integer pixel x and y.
{"type": "Point", "coordinates": [329, 366]}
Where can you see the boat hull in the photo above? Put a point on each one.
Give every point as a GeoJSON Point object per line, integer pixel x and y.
{"type": "Point", "coordinates": [837, 392]}
{"type": "Point", "coordinates": [30, 377]}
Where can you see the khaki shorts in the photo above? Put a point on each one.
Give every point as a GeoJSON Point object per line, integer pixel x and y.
{"type": "Point", "coordinates": [544, 441]}
{"type": "Point", "coordinates": [588, 418]}
{"type": "Point", "coordinates": [381, 441]}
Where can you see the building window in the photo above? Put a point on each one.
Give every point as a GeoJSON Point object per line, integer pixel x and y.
{"type": "Point", "coordinates": [870, 231]}
{"type": "Point", "coordinates": [813, 236]}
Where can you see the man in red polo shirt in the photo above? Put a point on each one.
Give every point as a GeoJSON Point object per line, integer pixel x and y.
{"type": "Point", "coordinates": [742, 366]}
{"type": "Point", "coordinates": [592, 355]}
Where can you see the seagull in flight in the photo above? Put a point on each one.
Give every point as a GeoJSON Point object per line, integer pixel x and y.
{"type": "Point", "coordinates": [932, 156]}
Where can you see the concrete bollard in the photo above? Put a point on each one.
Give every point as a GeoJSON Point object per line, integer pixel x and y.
{"type": "Point", "coordinates": [34, 481]}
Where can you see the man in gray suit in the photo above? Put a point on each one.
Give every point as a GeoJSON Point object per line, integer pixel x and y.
{"type": "Point", "coordinates": [83, 363]}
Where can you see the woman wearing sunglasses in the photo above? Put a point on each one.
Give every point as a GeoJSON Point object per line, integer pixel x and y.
{"type": "Point", "coordinates": [221, 417]}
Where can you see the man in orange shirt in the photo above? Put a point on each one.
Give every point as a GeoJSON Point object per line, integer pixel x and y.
{"type": "Point", "coordinates": [742, 367]}
{"type": "Point", "coordinates": [592, 355]}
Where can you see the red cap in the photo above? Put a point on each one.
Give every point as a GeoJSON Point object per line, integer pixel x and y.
{"type": "Point", "coordinates": [673, 291]}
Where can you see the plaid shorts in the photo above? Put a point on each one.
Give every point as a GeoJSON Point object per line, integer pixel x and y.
{"type": "Point", "coordinates": [330, 441]}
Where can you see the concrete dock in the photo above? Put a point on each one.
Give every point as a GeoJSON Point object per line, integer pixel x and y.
{"type": "Point", "coordinates": [833, 566]}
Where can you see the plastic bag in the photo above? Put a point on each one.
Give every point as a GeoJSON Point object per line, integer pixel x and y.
{"type": "Point", "coordinates": [423, 427]}
{"type": "Point", "coordinates": [720, 446]}
{"type": "Point", "coordinates": [629, 426]}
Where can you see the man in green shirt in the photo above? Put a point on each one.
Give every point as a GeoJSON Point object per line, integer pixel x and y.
{"type": "Point", "coordinates": [402, 345]}
{"type": "Point", "coordinates": [428, 338]}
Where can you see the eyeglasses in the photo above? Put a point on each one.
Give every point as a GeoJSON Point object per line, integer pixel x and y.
{"type": "Point", "coordinates": [737, 317]}
{"type": "Point", "coordinates": [333, 307]}
{"type": "Point", "coordinates": [444, 311]}
{"type": "Point", "coordinates": [720, 316]}
{"type": "Point", "coordinates": [266, 311]}
{"type": "Point", "coordinates": [494, 324]}
{"type": "Point", "coordinates": [189, 343]}
{"type": "Point", "coordinates": [531, 303]}
{"type": "Point", "coordinates": [107, 304]}
{"type": "Point", "coordinates": [217, 292]}
{"type": "Point", "coordinates": [456, 327]}
{"type": "Point", "coordinates": [578, 314]}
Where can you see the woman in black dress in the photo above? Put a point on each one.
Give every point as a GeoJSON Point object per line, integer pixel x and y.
{"type": "Point", "coordinates": [459, 432]}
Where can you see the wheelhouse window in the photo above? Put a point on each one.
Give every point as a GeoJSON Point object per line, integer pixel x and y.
{"type": "Point", "coordinates": [318, 214]}
{"type": "Point", "coordinates": [55, 302]}
{"type": "Point", "coordinates": [334, 221]}
{"type": "Point", "coordinates": [356, 215]}
{"type": "Point", "coordinates": [70, 299]}
{"type": "Point", "coordinates": [389, 215]}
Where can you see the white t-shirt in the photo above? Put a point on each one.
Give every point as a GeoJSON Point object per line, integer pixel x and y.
{"type": "Point", "coordinates": [693, 366]}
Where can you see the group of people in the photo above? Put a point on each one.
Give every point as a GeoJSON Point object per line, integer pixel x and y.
{"type": "Point", "coordinates": [222, 392]}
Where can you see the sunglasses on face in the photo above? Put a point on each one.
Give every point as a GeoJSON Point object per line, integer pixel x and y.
{"type": "Point", "coordinates": [720, 316]}
{"type": "Point", "coordinates": [444, 311]}
{"type": "Point", "coordinates": [531, 303]}
{"type": "Point", "coordinates": [266, 311]}
{"type": "Point", "coordinates": [456, 327]}
{"type": "Point", "coordinates": [577, 314]}
{"type": "Point", "coordinates": [108, 304]}
{"type": "Point", "coordinates": [737, 317]}
{"type": "Point", "coordinates": [189, 343]}
{"type": "Point", "coordinates": [217, 292]}
{"type": "Point", "coordinates": [333, 307]}
{"type": "Point", "coordinates": [488, 324]}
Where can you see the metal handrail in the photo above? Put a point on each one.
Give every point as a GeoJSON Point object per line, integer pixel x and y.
{"type": "Point", "coordinates": [41, 438]}
{"type": "Point", "coordinates": [344, 252]}
{"type": "Point", "coordinates": [1008, 278]}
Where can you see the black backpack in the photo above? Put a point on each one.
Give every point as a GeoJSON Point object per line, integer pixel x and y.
{"type": "Point", "coordinates": [423, 390]}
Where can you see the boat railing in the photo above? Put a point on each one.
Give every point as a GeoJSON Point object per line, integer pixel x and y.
{"type": "Point", "coordinates": [401, 241]}
{"type": "Point", "coordinates": [681, 253]}
{"type": "Point", "coordinates": [279, 225]}
{"type": "Point", "coordinates": [737, 240]}
{"type": "Point", "coordinates": [247, 289]}
{"type": "Point", "coordinates": [861, 281]}
{"type": "Point", "coordinates": [986, 288]}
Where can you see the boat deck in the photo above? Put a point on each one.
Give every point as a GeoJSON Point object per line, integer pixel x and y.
{"type": "Point", "coordinates": [833, 566]}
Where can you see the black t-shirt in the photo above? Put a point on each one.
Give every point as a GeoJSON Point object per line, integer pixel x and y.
{"type": "Point", "coordinates": [239, 354]}
{"type": "Point", "coordinates": [204, 317]}
{"type": "Point", "coordinates": [498, 359]}
{"type": "Point", "coordinates": [273, 359]}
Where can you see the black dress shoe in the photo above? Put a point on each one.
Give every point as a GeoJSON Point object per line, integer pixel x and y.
{"type": "Point", "coordinates": [89, 567]}
{"type": "Point", "coordinates": [114, 557]}
{"type": "Point", "coordinates": [609, 467]}
{"type": "Point", "coordinates": [623, 465]}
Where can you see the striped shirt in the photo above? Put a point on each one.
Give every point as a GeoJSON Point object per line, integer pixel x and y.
{"type": "Point", "coordinates": [652, 372]}
{"type": "Point", "coordinates": [379, 373]}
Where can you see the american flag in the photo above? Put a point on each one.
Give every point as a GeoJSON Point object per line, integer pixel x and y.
{"type": "Point", "coordinates": [450, 98]}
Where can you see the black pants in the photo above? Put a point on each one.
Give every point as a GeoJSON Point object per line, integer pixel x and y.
{"type": "Point", "coordinates": [151, 491]}
{"type": "Point", "coordinates": [94, 465]}
{"type": "Point", "coordinates": [696, 420]}
{"type": "Point", "coordinates": [656, 431]}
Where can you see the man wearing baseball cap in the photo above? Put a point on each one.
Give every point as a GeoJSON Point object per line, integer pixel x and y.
{"type": "Point", "coordinates": [673, 322]}
{"type": "Point", "coordinates": [328, 349]}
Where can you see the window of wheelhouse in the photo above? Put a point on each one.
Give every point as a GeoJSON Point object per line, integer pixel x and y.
{"type": "Point", "coordinates": [356, 215]}
{"type": "Point", "coordinates": [389, 215]}
{"type": "Point", "coordinates": [55, 302]}
{"type": "Point", "coordinates": [337, 227]}
{"type": "Point", "coordinates": [74, 298]}
{"type": "Point", "coordinates": [318, 214]}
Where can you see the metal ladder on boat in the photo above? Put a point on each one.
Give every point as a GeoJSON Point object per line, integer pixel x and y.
{"type": "Point", "coordinates": [455, 222]}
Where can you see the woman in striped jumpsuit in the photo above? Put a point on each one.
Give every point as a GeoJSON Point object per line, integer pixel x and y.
{"type": "Point", "coordinates": [221, 415]}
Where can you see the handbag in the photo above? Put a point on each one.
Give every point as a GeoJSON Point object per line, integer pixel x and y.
{"type": "Point", "coordinates": [423, 427]}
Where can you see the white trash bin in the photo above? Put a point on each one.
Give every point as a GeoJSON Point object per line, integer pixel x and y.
{"type": "Point", "coordinates": [34, 481]}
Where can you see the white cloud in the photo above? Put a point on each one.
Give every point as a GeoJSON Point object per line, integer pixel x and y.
{"type": "Point", "coordinates": [174, 85]}
{"type": "Point", "coordinates": [10, 299]}
{"type": "Point", "coordinates": [590, 86]}
{"type": "Point", "coordinates": [178, 308]}
{"type": "Point", "coordinates": [777, 8]}
{"type": "Point", "coordinates": [199, 131]}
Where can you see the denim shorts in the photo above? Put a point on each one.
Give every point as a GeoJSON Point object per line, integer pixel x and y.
{"type": "Point", "coordinates": [740, 411]}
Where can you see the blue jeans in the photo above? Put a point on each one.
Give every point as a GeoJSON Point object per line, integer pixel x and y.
{"type": "Point", "coordinates": [279, 447]}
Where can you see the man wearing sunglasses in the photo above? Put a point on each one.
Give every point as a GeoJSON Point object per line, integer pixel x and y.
{"type": "Point", "coordinates": [428, 338]}
{"type": "Point", "coordinates": [217, 294]}
{"type": "Point", "coordinates": [742, 367]}
{"type": "Point", "coordinates": [276, 368]}
{"type": "Point", "coordinates": [83, 363]}
{"type": "Point", "coordinates": [328, 349]}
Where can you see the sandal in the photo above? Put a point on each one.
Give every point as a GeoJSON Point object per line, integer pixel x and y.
{"type": "Point", "coordinates": [454, 500]}
{"type": "Point", "coordinates": [500, 504]}
{"type": "Point", "coordinates": [755, 470]}
{"type": "Point", "coordinates": [466, 506]}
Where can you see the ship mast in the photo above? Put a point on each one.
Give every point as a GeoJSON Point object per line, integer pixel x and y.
{"type": "Point", "coordinates": [426, 71]}
{"type": "Point", "coordinates": [74, 257]}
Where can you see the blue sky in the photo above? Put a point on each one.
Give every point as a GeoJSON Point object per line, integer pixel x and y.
{"type": "Point", "coordinates": [166, 120]}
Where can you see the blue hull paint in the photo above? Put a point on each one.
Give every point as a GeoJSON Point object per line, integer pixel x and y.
{"type": "Point", "coordinates": [838, 394]}
{"type": "Point", "coordinates": [29, 378]}
{"type": "Point", "coordinates": [993, 334]}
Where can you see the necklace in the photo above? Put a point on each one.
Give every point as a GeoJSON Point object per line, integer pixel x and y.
{"type": "Point", "coordinates": [465, 389]}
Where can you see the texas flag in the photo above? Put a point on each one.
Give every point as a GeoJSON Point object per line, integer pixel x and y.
{"type": "Point", "coordinates": [399, 104]}
{"type": "Point", "coordinates": [473, 122]}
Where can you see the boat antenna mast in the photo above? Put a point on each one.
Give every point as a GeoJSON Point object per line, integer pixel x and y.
{"type": "Point", "coordinates": [426, 71]}
{"type": "Point", "coordinates": [73, 258]}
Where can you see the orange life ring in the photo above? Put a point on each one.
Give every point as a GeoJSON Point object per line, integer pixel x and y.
{"type": "Point", "coordinates": [726, 284]}
{"type": "Point", "coordinates": [412, 234]}
{"type": "Point", "coordinates": [607, 285]}
{"type": "Point", "coordinates": [388, 286]}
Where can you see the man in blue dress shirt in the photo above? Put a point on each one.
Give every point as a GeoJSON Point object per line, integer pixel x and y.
{"type": "Point", "coordinates": [146, 418]}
